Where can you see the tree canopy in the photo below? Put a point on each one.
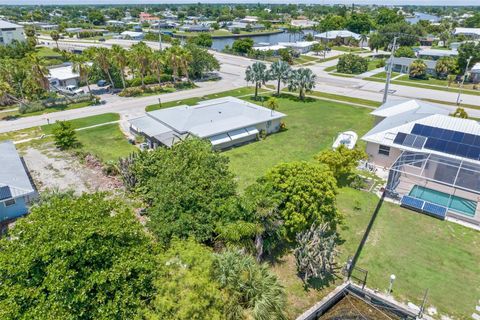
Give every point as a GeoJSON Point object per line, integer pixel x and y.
{"type": "Point", "coordinates": [75, 258]}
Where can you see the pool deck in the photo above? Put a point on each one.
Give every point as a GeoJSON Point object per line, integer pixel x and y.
{"type": "Point", "coordinates": [406, 185]}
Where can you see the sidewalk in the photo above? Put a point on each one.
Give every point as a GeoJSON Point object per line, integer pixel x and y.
{"type": "Point", "coordinates": [370, 73]}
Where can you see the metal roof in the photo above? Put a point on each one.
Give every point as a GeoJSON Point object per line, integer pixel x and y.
{"type": "Point", "coordinates": [427, 114]}
{"type": "Point", "coordinates": [408, 61]}
{"type": "Point", "coordinates": [467, 31]}
{"type": "Point", "coordinates": [6, 24]}
{"type": "Point", "coordinates": [213, 117]}
{"type": "Point", "coordinates": [437, 53]}
{"type": "Point", "coordinates": [12, 172]}
{"type": "Point", "coordinates": [333, 34]}
{"type": "Point", "coordinates": [63, 73]}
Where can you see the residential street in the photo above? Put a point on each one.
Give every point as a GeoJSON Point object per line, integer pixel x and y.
{"type": "Point", "coordinates": [232, 73]}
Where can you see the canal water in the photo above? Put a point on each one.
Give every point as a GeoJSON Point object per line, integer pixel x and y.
{"type": "Point", "coordinates": [422, 16]}
{"type": "Point", "coordinates": [220, 43]}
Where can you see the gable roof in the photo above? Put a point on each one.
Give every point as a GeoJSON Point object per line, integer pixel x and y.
{"type": "Point", "coordinates": [333, 34]}
{"type": "Point", "coordinates": [12, 172]}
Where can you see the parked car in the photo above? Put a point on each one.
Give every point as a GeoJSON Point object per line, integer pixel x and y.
{"type": "Point", "coordinates": [101, 39]}
{"type": "Point", "coordinates": [102, 83]}
{"type": "Point", "coordinates": [74, 90]}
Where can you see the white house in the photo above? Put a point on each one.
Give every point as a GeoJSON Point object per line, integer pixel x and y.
{"type": "Point", "coordinates": [435, 54]}
{"type": "Point", "coordinates": [402, 65]}
{"type": "Point", "coordinates": [475, 73]}
{"type": "Point", "coordinates": [226, 122]}
{"type": "Point", "coordinates": [132, 35]}
{"type": "Point", "coordinates": [432, 158]}
{"type": "Point", "coordinates": [340, 34]}
{"type": "Point", "coordinates": [63, 76]}
{"type": "Point", "coordinates": [115, 23]}
{"type": "Point", "coordinates": [274, 48]}
{"type": "Point", "coordinates": [303, 23]}
{"type": "Point", "coordinates": [469, 32]}
{"type": "Point", "coordinates": [299, 46]}
{"type": "Point", "coordinates": [249, 19]}
{"type": "Point", "coordinates": [10, 32]}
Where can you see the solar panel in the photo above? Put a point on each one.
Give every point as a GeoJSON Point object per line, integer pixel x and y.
{"type": "Point", "coordinates": [419, 142]}
{"type": "Point", "coordinates": [5, 193]}
{"type": "Point", "coordinates": [400, 138]}
{"type": "Point", "coordinates": [417, 129]}
{"type": "Point", "coordinates": [435, 210]}
{"type": "Point", "coordinates": [409, 140]}
{"type": "Point", "coordinates": [412, 202]}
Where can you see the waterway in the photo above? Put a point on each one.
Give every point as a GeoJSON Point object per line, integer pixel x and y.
{"type": "Point", "coordinates": [422, 16]}
{"type": "Point", "coordinates": [220, 43]}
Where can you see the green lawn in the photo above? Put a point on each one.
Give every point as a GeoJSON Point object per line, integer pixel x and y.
{"type": "Point", "coordinates": [85, 122]}
{"type": "Point", "coordinates": [106, 142]}
{"type": "Point", "coordinates": [62, 107]}
{"type": "Point", "coordinates": [421, 251]}
{"type": "Point", "coordinates": [234, 93]}
{"type": "Point", "coordinates": [331, 68]}
{"type": "Point", "coordinates": [369, 103]}
{"type": "Point", "coordinates": [347, 49]}
{"type": "Point", "coordinates": [312, 126]}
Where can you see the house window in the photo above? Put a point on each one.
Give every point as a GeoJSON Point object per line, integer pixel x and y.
{"type": "Point", "coordinates": [9, 202]}
{"type": "Point", "coordinates": [385, 150]}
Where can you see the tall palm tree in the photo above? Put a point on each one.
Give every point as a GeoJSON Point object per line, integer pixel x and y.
{"type": "Point", "coordinates": [101, 56]}
{"type": "Point", "coordinates": [185, 60]}
{"type": "Point", "coordinates": [140, 57]}
{"type": "Point", "coordinates": [280, 71]}
{"type": "Point", "coordinates": [38, 71]}
{"type": "Point", "coordinates": [257, 73]}
{"type": "Point", "coordinates": [303, 80]}
{"type": "Point", "coordinates": [55, 36]}
{"type": "Point", "coordinates": [363, 39]}
{"type": "Point", "coordinates": [120, 60]}
{"type": "Point", "coordinates": [158, 63]}
{"type": "Point", "coordinates": [82, 66]}
{"type": "Point", "coordinates": [173, 58]}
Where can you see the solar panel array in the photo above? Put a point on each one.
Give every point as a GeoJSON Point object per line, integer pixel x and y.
{"type": "Point", "coordinates": [426, 207]}
{"type": "Point", "coordinates": [442, 140]}
{"type": "Point", "coordinates": [5, 193]}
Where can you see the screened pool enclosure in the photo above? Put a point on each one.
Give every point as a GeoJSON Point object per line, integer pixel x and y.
{"type": "Point", "coordinates": [436, 185]}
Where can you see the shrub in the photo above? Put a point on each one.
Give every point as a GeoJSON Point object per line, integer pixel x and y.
{"type": "Point", "coordinates": [406, 52]}
{"type": "Point", "coordinates": [34, 107]}
{"type": "Point", "coordinates": [352, 64]}
{"type": "Point", "coordinates": [381, 63]}
{"type": "Point", "coordinates": [418, 70]}
{"type": "Point", "coordinates": [64, 135]}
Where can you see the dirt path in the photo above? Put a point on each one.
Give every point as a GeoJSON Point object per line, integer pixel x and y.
{"type": "Point", "coordinates": [55, 170]}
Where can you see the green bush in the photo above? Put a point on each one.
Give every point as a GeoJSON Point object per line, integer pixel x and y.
{"type": "Point", "coordinates": [34, 107]}
{"type": "Point", "coordinates": [135, 82]}
{"type": "Point", "coordinates": [137, 91]}
{"type": "Point", "coordinates": [352, 64]}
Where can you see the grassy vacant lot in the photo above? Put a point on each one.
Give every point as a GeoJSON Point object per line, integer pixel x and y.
{"type": "Point", "coordinates": [312, 126]}
{"type": "Point", "coordinates": [106, 142]}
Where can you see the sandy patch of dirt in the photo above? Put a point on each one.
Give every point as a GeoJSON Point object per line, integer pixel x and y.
{"type": "Point", "coordinates": [52, 169]}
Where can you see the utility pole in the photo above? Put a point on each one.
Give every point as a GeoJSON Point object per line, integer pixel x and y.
{"type": "Point", "coordinates": [463, 80]}
{"type": "Point", "coordinates": [159, 37]}
{"type": "Point", "coordinates": [389, 71]}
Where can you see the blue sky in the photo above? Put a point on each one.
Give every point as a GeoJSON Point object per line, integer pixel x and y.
{"type": "Point", "coordinates": [383, 2]}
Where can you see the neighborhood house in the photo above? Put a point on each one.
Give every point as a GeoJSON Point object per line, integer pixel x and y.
{"type": "Point", "coordinates": [226, 122]}
{"type": "Point", "coordinates": [16, 188]}
{"type": "Point", "coordinates": [402, 65]}
{"type": "Point", "coordinates": [433, 158]}
{"type": "Point", "coordinates": [10, 32]}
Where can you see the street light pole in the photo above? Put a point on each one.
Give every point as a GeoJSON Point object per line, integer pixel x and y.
{"type": "Point", "coordinates": [392, 280]}
{"type": "Point", "coordinates": [389, 71]}
{"type": "Point", "coordinates": [463, 80]}
{"type": "Point", "coordinates": [159, 37]}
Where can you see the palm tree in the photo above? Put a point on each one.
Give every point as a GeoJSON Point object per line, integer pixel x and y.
{"type": "Point", "coordinates": [272, 104]}
{"type": "Point", "coordinates": [303, 80]}
{"type": "Point", "coordinates": [280, 71]}
{"type": "Point", "coordinates": [140, 57]}
{"type": "Point", "coordinates": [158, 62]}
{"type": "Point", "coordinates": [363, 39]}
{"type": "Point", "coordinates": [38, 71]}
{"type": "Point", "coordinates": [81, 65]}
{"type": "Point", "coordinates": [444, 37]}
{"type": "Point", "coordinates": [55, 37]}
{"type": "Point", "coordinates": [185, 60]}
{"type": "Point", "coordinates": [173, 58]}
{"type": "Point", "coordinates": [418, 69]}
{"type": "Point", "coordinates": [257, 73]}
{"type": "Point", "coordinates": [253, 291]}
{"type": "Point", "coordinates": [120, 60]}
{"type": "Point", "coordinates": [101, 56]}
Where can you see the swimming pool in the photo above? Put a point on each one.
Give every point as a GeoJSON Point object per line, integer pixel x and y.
{"type": "Point", "coordinates": [453, 203]}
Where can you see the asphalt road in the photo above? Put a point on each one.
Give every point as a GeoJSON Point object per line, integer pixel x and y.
{"type": "Point", "coordinates": [232, 72]}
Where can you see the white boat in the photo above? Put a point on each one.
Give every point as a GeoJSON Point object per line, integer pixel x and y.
{"type": "Point", "coordinates": [347, 138]}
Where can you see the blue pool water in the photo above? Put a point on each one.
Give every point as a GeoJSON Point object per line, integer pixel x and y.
{"type": "Point", "coordinates": [453, 203]}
